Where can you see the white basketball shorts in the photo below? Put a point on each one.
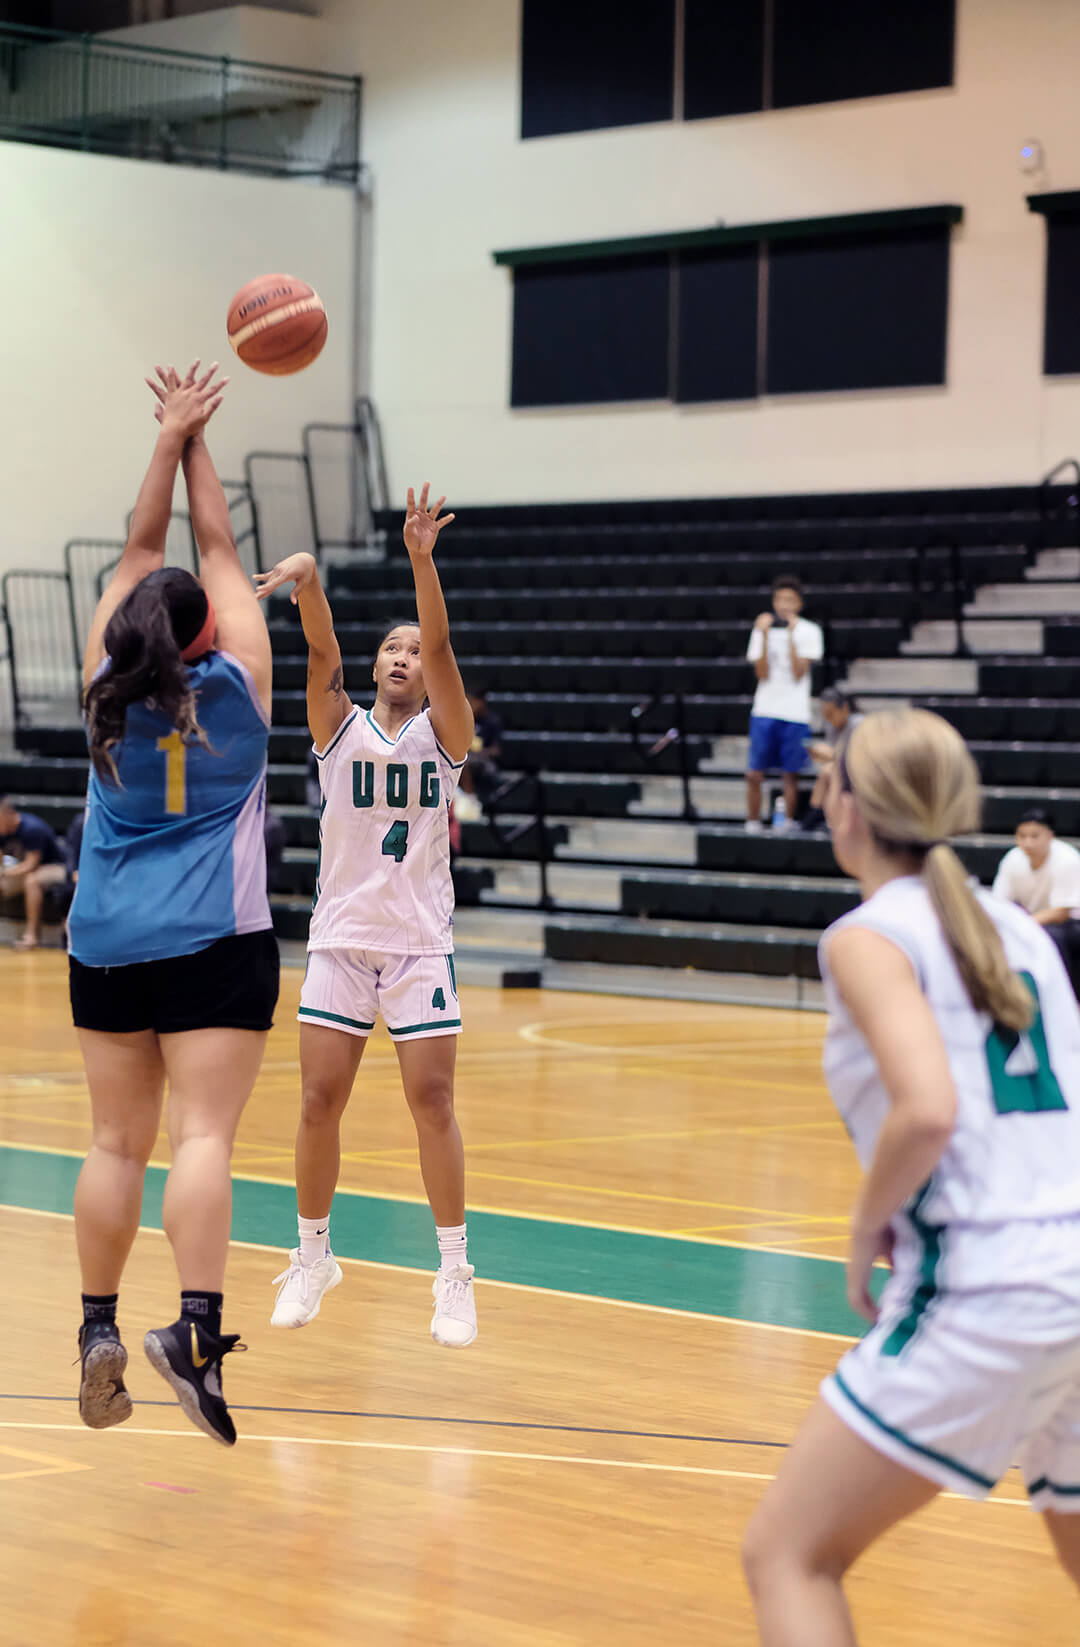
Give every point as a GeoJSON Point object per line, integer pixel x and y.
{"type": "Point", "coordinates": [346, 989]}
{"type": "Point", "coordinates": [959, 1385]}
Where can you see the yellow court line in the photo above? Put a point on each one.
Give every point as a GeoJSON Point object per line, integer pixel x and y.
{"type": "Point", "coordinates": [558, 1141]}
{"type": "Point", "coordinates": [521, 1286]}
{"type": "Point", "coordinates": [649, 1466]}
{"type": "Point", "coordinates": [768, 1214]}
{"type": "Point", "coordinates": [45, 1464]}
{"type": "Point", "coordinates": [797, 1218]}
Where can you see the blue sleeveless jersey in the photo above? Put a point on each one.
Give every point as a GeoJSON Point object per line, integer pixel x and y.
{"type": "Point", "coordinates": [174, 858]}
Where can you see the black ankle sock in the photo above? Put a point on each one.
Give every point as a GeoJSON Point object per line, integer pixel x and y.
{"type": "Point", "coordinates": [203, 1307]}
{"type": "Point", "coordinates": [99, 1307]}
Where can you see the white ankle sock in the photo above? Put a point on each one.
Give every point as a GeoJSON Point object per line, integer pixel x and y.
{"type": "Point", "coordinates": [314, 1238]}
{"type": "Point", "coordinates": [452, 1248]}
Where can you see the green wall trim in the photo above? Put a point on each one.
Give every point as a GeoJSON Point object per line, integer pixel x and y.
{"type": "Point", "coordinates": [910, 217]}
{"type": "Point", "coordinates": [1048, 205]}
{"type": "Point", "coordinates": [737, 1283]}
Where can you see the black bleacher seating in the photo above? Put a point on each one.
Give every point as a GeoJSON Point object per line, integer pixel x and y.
{"type": "Point", "coordinates": [571, 614]}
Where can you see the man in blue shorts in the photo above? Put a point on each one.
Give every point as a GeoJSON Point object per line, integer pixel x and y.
{"type": "Point", "coordinates": [782, 647]}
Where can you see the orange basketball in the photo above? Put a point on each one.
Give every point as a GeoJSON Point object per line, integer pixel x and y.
{"type": "Point", "coordinates": [277, 324]}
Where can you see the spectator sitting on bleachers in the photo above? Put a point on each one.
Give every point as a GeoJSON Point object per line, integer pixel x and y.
{"type": "Point", "coordinates": [782, 647]}
{"type": "Point", "coordinates": [40, 863]}
{"type": "Point", "coordinates": [480, 775]}
{"type": "Point", "coordinates": [1042, 875]}
{"type": "Point", "coordinates": [840, 714]}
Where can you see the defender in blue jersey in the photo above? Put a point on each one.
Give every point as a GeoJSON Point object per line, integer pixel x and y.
{"type": "Point", "coordinates": [173, 961]}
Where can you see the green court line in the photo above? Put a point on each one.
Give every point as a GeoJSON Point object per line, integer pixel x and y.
{"type": "Point", "coordinates": [770, 1288]}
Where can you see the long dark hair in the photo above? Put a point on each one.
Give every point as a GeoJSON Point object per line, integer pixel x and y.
{"type": "Point", "coordinates": [143, 640]}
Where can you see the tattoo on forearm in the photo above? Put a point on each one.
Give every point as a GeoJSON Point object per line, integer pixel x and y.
{"type": "Point", "coordinates": [337, 683]}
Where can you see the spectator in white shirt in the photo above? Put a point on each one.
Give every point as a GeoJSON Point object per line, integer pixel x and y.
{"type": "Point", "coordinates": [1042, 875]}
{"type": "Point", "coordinates": [782, 647]}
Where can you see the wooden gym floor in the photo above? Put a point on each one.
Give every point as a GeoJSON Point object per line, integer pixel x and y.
{"type": "Point", "coordinates": [657, 1202]}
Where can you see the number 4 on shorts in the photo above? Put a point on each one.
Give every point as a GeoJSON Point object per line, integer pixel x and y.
{"type": "Point", "coordinates": [438, 1001]}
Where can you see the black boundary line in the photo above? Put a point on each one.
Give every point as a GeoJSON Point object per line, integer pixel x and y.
{"type": "Point", "coordinates": [432, 1418]}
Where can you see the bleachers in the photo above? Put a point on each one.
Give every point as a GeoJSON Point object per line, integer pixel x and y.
{"type": "Point", "coordinates": [570, 616]}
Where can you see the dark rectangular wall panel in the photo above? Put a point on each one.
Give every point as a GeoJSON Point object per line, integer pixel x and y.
{"type": "Point", "coordinates": [1061, 344]}
{"type": "Point", "coordinates": [830, 50]}
{"type": "Point", "coordinates": [591, 64]}
{"type": "Point", "coordinates": [589, 332]}
{"type": "Point", "coordinates": [717, 324]}
{"type": "Point", "coordinates": [862, 311]}
{"type": "Point", "coordinates": [723, 58]}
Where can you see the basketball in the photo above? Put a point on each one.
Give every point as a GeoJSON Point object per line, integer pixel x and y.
{"type": "Point", "coordinates": [277, 324]}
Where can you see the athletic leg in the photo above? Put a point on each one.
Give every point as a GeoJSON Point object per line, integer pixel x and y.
{"type": "Point", "coordinates": [126, 1078]}
{"type": "Point", "coordinates": [427, 1074]}
{"type": "Point", "coordinates": [791, 794]}
{"type": "Point", "coordinates": [211, 1075]}
{"type": "Point", "coordinates": [833, 1497]}
{"type": "Point", "coordinates": [329, 1060]}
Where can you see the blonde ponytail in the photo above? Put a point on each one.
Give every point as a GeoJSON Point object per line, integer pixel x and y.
{"type": "Point", "coordinates": [916, 784]}
{"type": "Point", "coordinates": [975, 942]}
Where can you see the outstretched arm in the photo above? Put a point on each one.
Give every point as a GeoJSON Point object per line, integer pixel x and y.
{"type": "Point", "coordinates": [184, 409]}
{"type": "Point", "coordinates": [241, 628]}
{"type": "Point", "coordinates": [327, 701]}
{"type": "Point", "coordinates": [451, 713]}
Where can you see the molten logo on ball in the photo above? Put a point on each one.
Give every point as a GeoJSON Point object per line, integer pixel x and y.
{"type": "Point", "coordinates": [277, 325]}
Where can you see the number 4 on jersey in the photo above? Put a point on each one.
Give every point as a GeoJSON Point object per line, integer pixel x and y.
{"type": "Point", "coordinates": [395, 843]}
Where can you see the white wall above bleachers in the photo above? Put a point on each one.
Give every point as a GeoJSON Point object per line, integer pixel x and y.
{"type": "Point", "coordinates": [110, 266]}
{"type": "Point", "coordinates": [453, 181]}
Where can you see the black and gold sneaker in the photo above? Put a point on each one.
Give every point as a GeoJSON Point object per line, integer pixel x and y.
{"type": "Point", "coordinates": [189, 1358]}
{"type": "Point", "coordinates": [103, 1399]}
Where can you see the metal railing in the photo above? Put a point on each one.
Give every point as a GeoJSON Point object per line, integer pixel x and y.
{"type": "Point", "coordinates": [323, 497]}
{"type": "Point", "coordinates": [42, 645]}
{"type": "Point", "coordinates": [535, 821]}
{"type": "Point", "coordinates": [1071, 498]}
{"type": "Point", "coordinates": [673, 734]}
{"type": "Point", "coordinates": [143, 102]}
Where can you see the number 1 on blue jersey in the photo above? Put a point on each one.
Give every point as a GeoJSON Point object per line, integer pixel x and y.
{"type": "Point", "coordinates": [175, 751]}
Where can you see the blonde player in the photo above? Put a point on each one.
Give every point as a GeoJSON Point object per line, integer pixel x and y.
{"type": "Point", "coordinates": [953, 1056]}
{"type": "Point", "coordinates": [380, 937]}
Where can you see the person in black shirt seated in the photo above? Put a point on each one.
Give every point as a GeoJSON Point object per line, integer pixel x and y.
{"type": "Point", "coordinates": [40, 863]}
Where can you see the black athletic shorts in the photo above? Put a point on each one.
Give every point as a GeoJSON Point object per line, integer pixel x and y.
{"type": "Point", "coordinates": [231, 985]}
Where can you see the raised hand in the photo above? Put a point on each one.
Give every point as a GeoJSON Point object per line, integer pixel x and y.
{"type": "Point", "coordinates": [299, 570]}
{"type": "Point", "coordinates": [422, 525]}
{"type": "Point", "coordinates": [186, 404]}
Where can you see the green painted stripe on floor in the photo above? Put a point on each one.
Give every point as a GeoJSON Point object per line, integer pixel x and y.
{"type": "Point", "coordinates": [767, 1287]}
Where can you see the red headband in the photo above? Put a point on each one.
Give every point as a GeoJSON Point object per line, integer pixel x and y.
{"type": "Point", "coordinates": [204, 639]}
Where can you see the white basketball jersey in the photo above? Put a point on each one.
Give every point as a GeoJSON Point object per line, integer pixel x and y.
{"type": "Point", "coordinates": [1015, 1150]}
{"type": "Point", "coordinates": [383, 881]}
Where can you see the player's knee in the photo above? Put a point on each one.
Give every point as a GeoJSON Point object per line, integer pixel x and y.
{"type": "Point", "coordinates": [754, 777]}
{"type": "Point", "coordinates": [322, 1101]}
{"type": "Point", "coordinates": [132, 1145]}
{"type": "Point", "coordinates": [770, 1556]}
{"type": "Point", "coordinates": [432, 1103]}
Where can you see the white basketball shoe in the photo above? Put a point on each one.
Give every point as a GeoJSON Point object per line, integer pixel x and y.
{"type": "Point", "coordinates": [453, 1322]}
{"type": "Point", "coordinates": [301, 1288]}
